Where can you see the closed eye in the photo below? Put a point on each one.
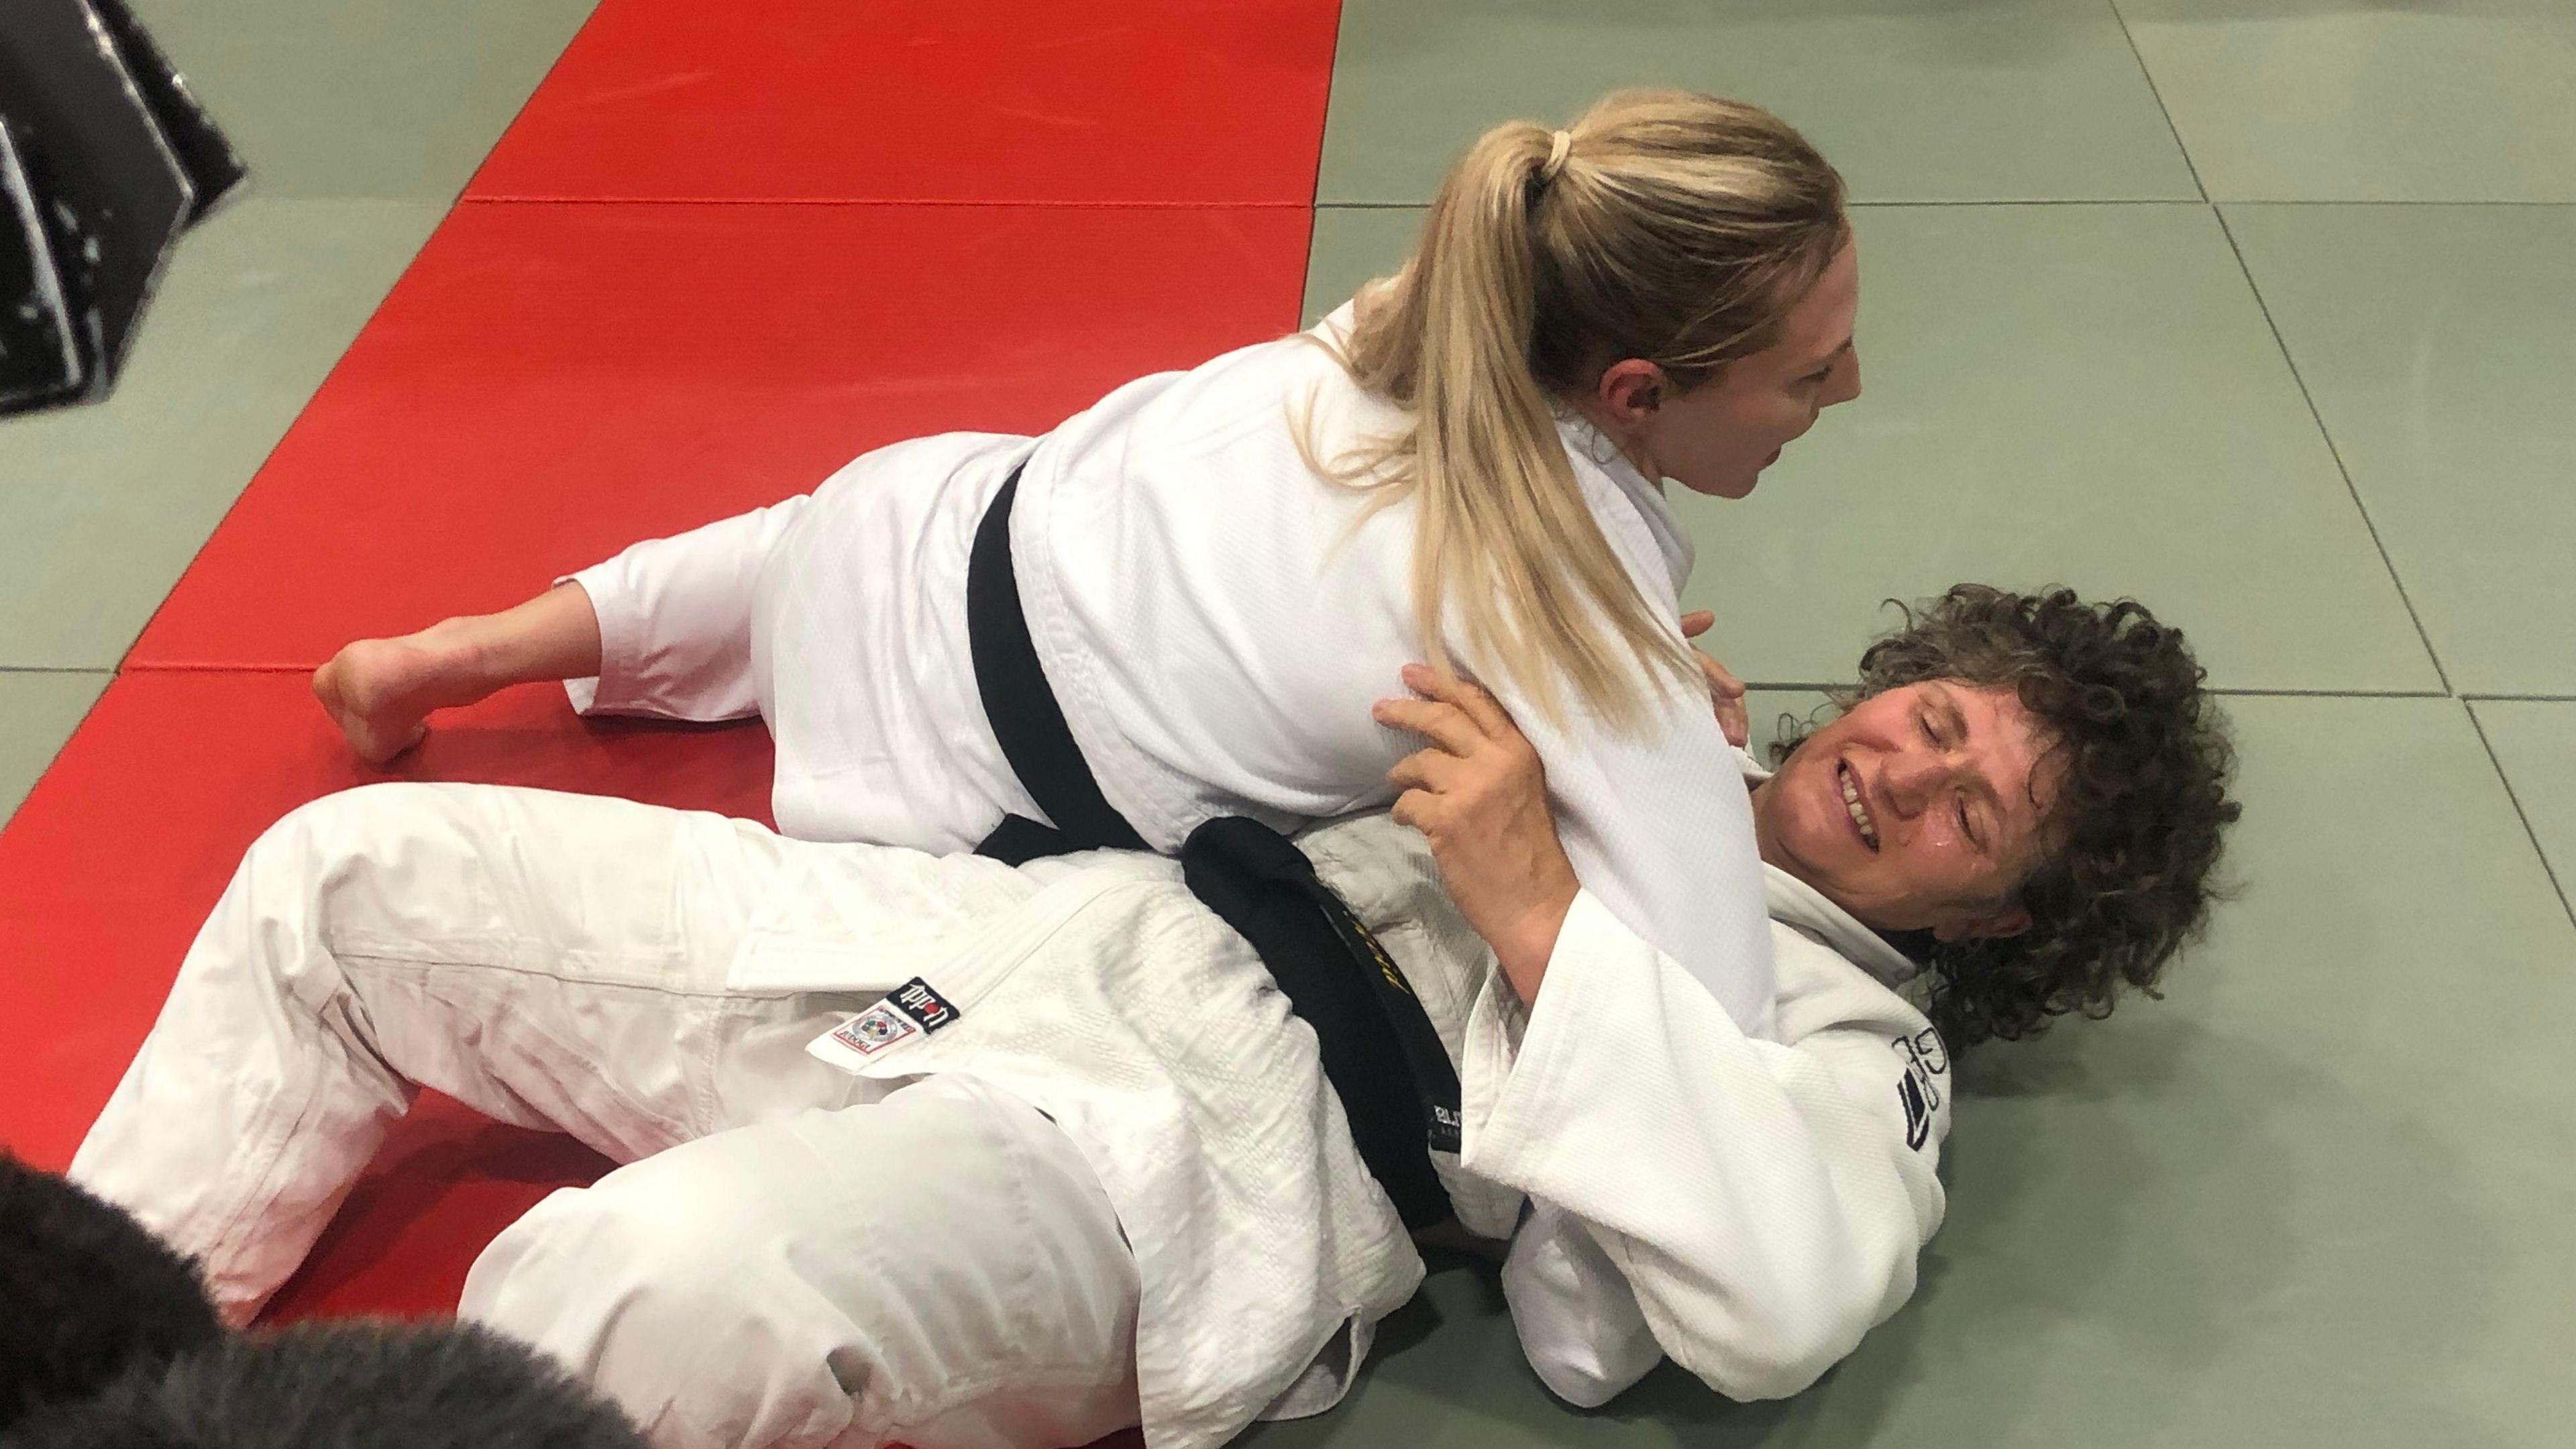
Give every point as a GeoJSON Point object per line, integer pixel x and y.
{"type": "Point", "coordinates": [1968, 828]}
{"type": "Point", "coordinates": [1832, 360]}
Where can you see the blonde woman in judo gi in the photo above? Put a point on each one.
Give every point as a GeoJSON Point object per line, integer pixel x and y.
{"type": "Point", "coordinates": [951, 1153]}
{"type": "Point", "coordinates": [1220, 568]}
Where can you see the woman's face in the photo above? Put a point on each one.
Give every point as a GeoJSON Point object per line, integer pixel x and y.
{"type": "Point", "coordinates": [1923, 808]}
{"type": "Point", "coordinates": [1718, 437]}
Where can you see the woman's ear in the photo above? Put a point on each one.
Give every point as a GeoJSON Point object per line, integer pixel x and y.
{"type": "Point", "coordinates": [1629, 391]}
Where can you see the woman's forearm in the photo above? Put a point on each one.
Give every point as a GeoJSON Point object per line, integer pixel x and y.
{"type": "Point", "coordinates": [1524, 948]}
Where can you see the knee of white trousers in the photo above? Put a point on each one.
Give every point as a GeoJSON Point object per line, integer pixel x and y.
{"type": "Point", "coordinates": [303, 874]}
{"type": "Point", "coordinates": [400, 863]}
{"type": "Point", "coordinates": [303, 839]}
{"type": "Point", "coordinates": [318, 849]}
{"type": "Point", "coordinates": [338, 822]}
{"type": "Point", "coordinates": [699, 1331]}
{"type": "Point", "coordinates": [259, 1093]}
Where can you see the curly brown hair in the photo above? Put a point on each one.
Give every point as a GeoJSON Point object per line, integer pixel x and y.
{"type": "Point", "coordinates": [2135, 829]}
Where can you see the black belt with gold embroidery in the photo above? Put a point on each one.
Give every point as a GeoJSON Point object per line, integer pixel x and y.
{"type": "Point", "coordinates": [1378, 1047]}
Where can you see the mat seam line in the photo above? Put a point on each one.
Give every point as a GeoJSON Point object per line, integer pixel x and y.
{"type": "Point", "coordinates": [2514, 798]}
{"type": "Point", "coordinates": [2352, 490]}
{"type": "Point", "coordinates": [2245, 269]}
{"type": "Point", "coordinates": [2157, 93]}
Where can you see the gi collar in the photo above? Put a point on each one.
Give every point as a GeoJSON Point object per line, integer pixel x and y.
{"type": "Point", "coordinates": [1589, 444]}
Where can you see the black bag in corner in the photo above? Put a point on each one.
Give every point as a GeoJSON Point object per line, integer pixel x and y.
{"type": "Point", "coordinates": [104, 160]}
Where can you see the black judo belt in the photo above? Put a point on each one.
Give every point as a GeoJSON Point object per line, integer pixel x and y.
{"type": "Point", "coordinates": [1380, 1052]}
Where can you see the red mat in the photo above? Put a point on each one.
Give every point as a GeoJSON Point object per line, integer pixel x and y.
{"type": "Point", "coordinates": [445, 1185]}
{"type": "Point", "coordinates": [1102, 101]}
{"type": "Point", "coordinates": [550, 383]}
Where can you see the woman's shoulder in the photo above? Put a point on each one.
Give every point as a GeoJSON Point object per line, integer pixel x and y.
{"type": "Point", "coordinates": [1176, 418]}
{"type": "Point", "coordinates": [1259, 396]}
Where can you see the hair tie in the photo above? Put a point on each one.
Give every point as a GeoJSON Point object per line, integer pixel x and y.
{"type": "Point", "coordinates": [1558, 146]}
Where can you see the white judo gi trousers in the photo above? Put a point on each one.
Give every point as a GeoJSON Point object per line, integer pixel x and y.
{"type": "Point", "coordinates": [790, 1255]}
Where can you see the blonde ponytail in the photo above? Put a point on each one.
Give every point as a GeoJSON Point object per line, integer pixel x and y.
{"type": "Point", "coordinates": [1663, 225]}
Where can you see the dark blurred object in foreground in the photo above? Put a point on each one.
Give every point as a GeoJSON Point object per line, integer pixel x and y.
{"type": "Point", "coordinates": [104, 160]}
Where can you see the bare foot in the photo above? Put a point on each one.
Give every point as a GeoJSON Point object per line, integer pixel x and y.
{"type": "Point", "coordinates": [380, 691]}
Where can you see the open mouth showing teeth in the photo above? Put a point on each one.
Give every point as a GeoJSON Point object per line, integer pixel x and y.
{"type": "Point", "coordinates": [1867, 827]}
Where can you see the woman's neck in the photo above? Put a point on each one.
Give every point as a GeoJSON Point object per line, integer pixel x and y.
{"type": "Point", "coordinates": [1630, 448]}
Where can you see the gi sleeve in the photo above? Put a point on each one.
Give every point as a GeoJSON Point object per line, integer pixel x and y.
{"type": "Point", "coordinates": [1656, 819]}
{"type": "Point", "coordinates": [1658, 825]}
{"type": "Point", "coordinates": [1746, 1207]}
{"type": "Point", "coordinates": [1579, 1326]}
{"type": "Point", "coordinates": [675, 618]}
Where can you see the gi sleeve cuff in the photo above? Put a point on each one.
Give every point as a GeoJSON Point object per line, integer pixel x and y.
{"type": "Point", "coordinates": [619, 630]}
{"type": "Point", "coordinates": [1513, 1081]}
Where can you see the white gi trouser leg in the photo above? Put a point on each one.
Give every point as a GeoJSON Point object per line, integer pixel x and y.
{"type": "Point", "coordinates": [801, 1263]}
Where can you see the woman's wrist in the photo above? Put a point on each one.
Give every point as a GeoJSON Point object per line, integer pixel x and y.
{"type": "Point", "coordinates": [1532, 943]}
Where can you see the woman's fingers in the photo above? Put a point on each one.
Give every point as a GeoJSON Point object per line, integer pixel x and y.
{"type": "Point", "coordinates": [1726, 692]}
{"type": "Point", "coordinates": [1434, 772]}
{"type": "Point", "coordinates": [1411, 809]}
{"type": "Point", "coordinates": [1734, 721]}
{"type": "Point", "coordinates": [1443, 724]}
{"type": "Point", "coordinates": [1722, 682]}
{"type": "Point", "coordinates": [1470, 699]}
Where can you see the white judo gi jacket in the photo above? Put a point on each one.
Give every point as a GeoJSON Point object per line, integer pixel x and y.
{"type": "Point", "coordinates": [1670, 1185]}
{"type": "Point", "coordinates": [1216, 621]}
